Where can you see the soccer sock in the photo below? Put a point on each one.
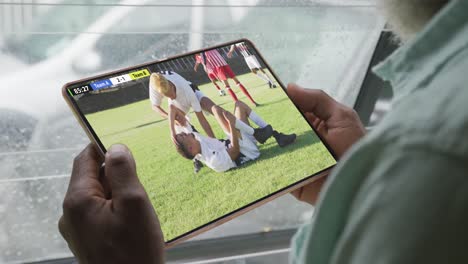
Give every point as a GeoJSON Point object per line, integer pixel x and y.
{"type": "Point", "coordinates": [268, 77]}
{"type": "Point", "coordinates": [244, 127]}
{"type": "Point", "coordinates": [242, 88]}
{"type": "Point", "coordinates": [231, 93]}
{"type": "Point", "coordinates": [257, 119]}
{"type": "Point", "coordinates": [217, 86]}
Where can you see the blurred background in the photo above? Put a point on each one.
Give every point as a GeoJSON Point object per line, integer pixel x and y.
{"type": "Point", "coordinates": [326, 44]}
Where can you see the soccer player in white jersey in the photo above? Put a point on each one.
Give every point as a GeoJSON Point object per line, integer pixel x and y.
{"type": "Point", "coordinates": [252, 62]}
{"type": "Point", "coordinates": [223, 71]}
{"type": "Point", "coordinates": [156, 97]}
{"type": "Point", "coordinates": [209, 72]}
{"type": "Point", "coordinates": [241, 145]}
{"type": "Point", "coordinates": [180, 93]}
{"type": "Point", "coordinates": [182, 121]}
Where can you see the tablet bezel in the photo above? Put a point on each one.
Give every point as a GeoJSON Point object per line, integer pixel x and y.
{"type": "Point", "coordinates": [229, 216]}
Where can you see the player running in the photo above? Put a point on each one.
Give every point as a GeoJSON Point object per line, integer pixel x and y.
{"type": "Point", "coordinates": [239, 148]}
{"type": "Point", "coordinates": [209, 72]}
{"type": "Point", "coordinates": [223, 71]}
{"type": "Point", "coordinates": [252, 62]}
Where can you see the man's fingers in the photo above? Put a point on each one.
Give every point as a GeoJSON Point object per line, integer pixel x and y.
{"type": "Point", "coordinates": [174, 140]}
{"type": "Point", "coordinates": [312, 100]}
{"type": "Point", "coordinates": [322, 129]}
{"type": "Point", "coordinates": [310, 117]}
{"type": "Point", "coordinates": [86, 166]}
{"type": "Point", "coordinates": [105, 183]}
{"type": "Point", "coordinates": [318, 124]}
{"type": "Point", "coordinates": [120, 170]}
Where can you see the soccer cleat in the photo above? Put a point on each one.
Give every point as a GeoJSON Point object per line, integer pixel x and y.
{"type": "Point", "coordinates": [272, 85]}
{"type": "Point", "coordinates": [284, 140]}
{"type": "Point", "coordinates": [262, 134]}
{"type": "Point", "coordinates": [197, 165]}
{"type": "Point", "coordinates": [222, 93]}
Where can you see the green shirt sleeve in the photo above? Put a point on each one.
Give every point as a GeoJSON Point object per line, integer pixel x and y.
{"type": "Point", "coordinates": [412, 208]}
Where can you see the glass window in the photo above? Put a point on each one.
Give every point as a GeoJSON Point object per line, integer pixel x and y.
{"type": "Point", "coordinates": [44, 44]}
{"type": "Point", "coordinates": [32, 47]}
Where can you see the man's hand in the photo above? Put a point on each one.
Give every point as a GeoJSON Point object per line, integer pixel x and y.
{"type": "Point", "coordinates": [180, 120]}
{"type": "Point", "coordinates": [234, 150]}
{"type": "Point", "coordinates": [337, 124]}
{"type": "Point", "coordinates": [230, 118]}
{"type": "Point", "coordinates": [107, 216]}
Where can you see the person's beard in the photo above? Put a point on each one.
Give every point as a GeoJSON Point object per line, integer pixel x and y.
{"type": "Point", "coordinates": [407, 17]}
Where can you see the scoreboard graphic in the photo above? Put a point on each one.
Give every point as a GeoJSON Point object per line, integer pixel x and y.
{"type": "Point", "coordinates": [107, 83]}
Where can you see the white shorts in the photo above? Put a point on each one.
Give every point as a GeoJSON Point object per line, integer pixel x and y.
{"type": "Point", "coordinates": [252, 62]}
{"type": "Point", "coordinates": [200, 95]}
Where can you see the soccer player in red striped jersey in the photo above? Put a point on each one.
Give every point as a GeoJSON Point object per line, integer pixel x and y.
{"type": "Point", "coordinates": [223, 71]}
{"type": "Point", "coordinates": [252, 62]}
{"type": "Point", "coordinates": [209, 72]}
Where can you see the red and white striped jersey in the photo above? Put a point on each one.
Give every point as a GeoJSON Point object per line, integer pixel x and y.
{"type": "Point", "coordinates": [214, 58]}
{"type": "Point", "coordinates": [208, 67]}
{"type": "Point", "coordinates": [243, 49]}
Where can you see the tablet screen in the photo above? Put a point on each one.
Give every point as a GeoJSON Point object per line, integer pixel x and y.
{"type": "Point", "coordinates": [212, 132]}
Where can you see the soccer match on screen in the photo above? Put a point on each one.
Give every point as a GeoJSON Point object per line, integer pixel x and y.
{"type": "Point", "coordinates": [211, 132]}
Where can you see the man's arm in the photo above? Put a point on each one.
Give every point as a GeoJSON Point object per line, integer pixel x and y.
{"type": "Point", "coordinates": [204, 123]}
{"type": "Point", "coordinates": [231, 50]}
{"type": "Point", "coordinates": [172, 119]}
{"type": "Point", "coordinates": [411, 209]}
{"type": "Point", "coordinates": [160, 111]}
{"type": "Point", "coordinates": [234, 150]}
{"type": "Point", "coordinates": [196, 66]}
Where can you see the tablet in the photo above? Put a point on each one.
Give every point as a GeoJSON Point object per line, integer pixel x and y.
{"type": "Point", "coordinates": [213, 133]}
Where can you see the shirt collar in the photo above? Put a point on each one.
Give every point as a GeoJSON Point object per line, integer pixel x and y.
{"type": "Point", "coordinates": [417, 61]}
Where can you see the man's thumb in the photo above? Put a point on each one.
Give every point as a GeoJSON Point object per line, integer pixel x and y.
{"type": "Point", "coordinates": [120, 171]}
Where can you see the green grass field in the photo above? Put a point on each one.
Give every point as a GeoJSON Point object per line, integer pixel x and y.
{"type": "Point", "coordinates": [184, 200]}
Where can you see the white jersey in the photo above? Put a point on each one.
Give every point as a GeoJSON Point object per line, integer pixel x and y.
{"type": "Point", "coordinates": [183, 88]}
{"type": "Point", "coordinates": [214, 154]}
{"type": "Point", "coordinates": [252, 62]}
{"type": "Point", "coordinates": [185, 96]}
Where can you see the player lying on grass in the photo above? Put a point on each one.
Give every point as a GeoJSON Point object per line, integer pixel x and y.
{"type": "Point", "coordinates": [178, 122]}
{"type": "Point", "coordinates": [241, 145]}
{"type": "Point", "coordinates": [209, 72]}
{"type": "Point", "coordinates": [252, 62]}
